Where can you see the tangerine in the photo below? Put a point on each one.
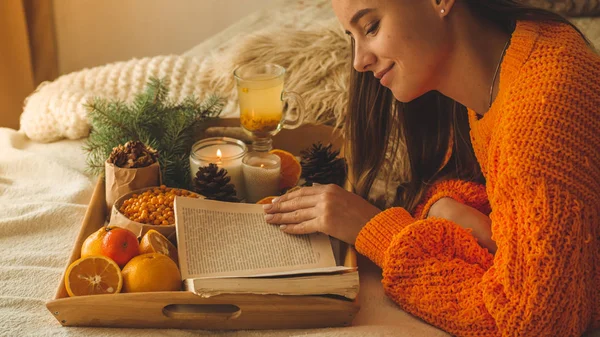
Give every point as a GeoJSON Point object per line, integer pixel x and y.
{"type": "Point", "coordinates": [155, 242]}
{"type": "Point", "coordinates": [121, 245]}
{"type": "Point", "coordinates": [151, 272]}
{"type": "Point", "coordinates": [93, 243]}
{"type": "Point", "coordinates": [93, 275]}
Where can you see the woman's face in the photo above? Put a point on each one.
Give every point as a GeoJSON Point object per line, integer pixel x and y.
{"type": "Point", "coordinates": [403, 42]}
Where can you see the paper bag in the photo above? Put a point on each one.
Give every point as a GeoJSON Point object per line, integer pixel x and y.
{"type": "Point", "coordinates": [120, 181]}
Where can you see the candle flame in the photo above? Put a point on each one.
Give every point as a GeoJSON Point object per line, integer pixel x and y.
{"type": "Point", "coordinates": [262, 165]}
{"type": "Point", "coordinates": [219, 154]}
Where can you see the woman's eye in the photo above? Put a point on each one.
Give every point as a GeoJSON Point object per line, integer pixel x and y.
{"type": "Point", "coordinates": [373, 28]}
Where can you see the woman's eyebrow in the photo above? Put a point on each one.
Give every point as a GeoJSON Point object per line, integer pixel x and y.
{"type": "Point", "coordinates": [360, 14]}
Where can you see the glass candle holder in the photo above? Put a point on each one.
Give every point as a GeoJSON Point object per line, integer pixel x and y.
{"type": "Point", "coordinates": [226, 153]}
{"type": "Point", "coordinates": [261, 174]}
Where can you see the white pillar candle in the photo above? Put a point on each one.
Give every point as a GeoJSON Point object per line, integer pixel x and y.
{"type": "Point", "coordinates": [261, 175]}
{"type": "Point", "coordinates": [226, 153]}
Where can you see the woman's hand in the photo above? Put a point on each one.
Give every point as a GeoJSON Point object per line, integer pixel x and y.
{"type": "Point", "coordinates": [327, 209]}
{"type": "Point", "coordinates": [466, 217]}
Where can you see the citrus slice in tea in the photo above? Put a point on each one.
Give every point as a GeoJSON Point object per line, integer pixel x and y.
{"type": "Point", "coordinates": [290, 169]}
{"type": "Point", "coordinates": [154, 242]}
{"type": "Point", "coordinates": [93, 275]}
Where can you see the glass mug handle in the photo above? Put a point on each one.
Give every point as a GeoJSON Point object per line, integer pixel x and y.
{"type": "Point", "coordinates": [293, 123]}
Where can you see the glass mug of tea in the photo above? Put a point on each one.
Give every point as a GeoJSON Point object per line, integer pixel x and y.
{"type": "Point", "coordinates": [261, 96]}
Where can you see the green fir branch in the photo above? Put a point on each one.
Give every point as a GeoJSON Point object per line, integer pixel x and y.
{"type": "Point", "coordinates": [103, 113]}
{"type": "Point", "coordinates": [153, 119]}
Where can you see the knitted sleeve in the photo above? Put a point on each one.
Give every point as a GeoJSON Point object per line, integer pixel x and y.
{"type": "Point", "coordinates": [465, 192]}
{"type": "Point", "coordinates": [394, 220]}
{"type": "Point", "coordinates": [535, 286]}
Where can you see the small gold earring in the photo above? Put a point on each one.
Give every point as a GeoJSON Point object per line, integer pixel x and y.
{"type": "Point", "coordinates": [443, 11]}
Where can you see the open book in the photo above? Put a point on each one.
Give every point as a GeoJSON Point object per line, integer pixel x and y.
{"type": "Point", "coordinates": [230, 248]}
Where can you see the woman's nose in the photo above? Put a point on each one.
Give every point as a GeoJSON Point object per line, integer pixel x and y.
{"type": "Point", "coordinates": [363, 58]}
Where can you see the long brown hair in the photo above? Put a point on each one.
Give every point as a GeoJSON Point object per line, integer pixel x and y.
{"type": "Point", "coordinates": [423, 132]}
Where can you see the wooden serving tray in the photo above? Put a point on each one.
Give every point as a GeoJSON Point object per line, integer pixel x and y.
{"type": "Point", "coordinates": [185, 310]}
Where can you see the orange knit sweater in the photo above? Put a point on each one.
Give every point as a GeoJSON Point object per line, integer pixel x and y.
{"type": "Point", "coordinates": [539, 149]}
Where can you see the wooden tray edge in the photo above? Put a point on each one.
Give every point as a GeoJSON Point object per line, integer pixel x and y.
{"type": "Point", "coordinates": [98, 197]}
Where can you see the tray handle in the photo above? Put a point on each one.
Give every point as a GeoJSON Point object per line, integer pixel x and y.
{"type": "Point", "coordinates": [216, 312]}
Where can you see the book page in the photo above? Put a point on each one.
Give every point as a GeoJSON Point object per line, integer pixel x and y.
{"type": "Point", "coordinates": [220, 239]}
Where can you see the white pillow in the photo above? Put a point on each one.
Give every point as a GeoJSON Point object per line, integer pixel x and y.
{"type": "Point", "coordinates": [57, 109]}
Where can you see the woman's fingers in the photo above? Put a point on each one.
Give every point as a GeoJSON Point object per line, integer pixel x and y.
{"type": "Point", "coordinates": [292, 204]}
{"type": "Point", "coordinates": [306, 227]}
{"type": "Point", "coordinates": [304, 191]}
{"type": "Point", "coordinates": [299, 212]}
{"type": "Point", "coordinates": [293, 217]}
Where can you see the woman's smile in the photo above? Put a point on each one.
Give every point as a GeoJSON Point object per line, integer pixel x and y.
{"type": "Point", "coordinates": [385, 76]}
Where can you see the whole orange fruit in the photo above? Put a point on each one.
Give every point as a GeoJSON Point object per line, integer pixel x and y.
{"type": "Point", "coordinates": [121, 245]}
{"type": "Point", "coordinates": [93, 243]}
{"type": "Point", "coordinates": [154, 242]}
{"type": "Point", "coordinates": [93, 275]}
{"type": "Point", "coordinates": [290, 169]}
{"type": "Point", "coordinates": [151, 272]}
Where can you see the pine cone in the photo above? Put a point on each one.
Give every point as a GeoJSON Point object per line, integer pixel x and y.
{"type": "Point", "coordinates": [320, 164]}
{"type": "Point", "coordinates": [213, 183]}
{"type": "Point", "coordinates": [133, 154]}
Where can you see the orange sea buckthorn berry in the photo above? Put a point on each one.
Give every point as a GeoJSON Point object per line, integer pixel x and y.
{"type": "Point", "coordinates": [153, 206]}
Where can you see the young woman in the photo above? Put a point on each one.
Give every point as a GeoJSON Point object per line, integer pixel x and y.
{"type": "Point", "coordinates": [497, 229]}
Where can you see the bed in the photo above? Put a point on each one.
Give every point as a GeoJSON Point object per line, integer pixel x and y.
{"type": "Point", "coordinates": [44, 192]}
